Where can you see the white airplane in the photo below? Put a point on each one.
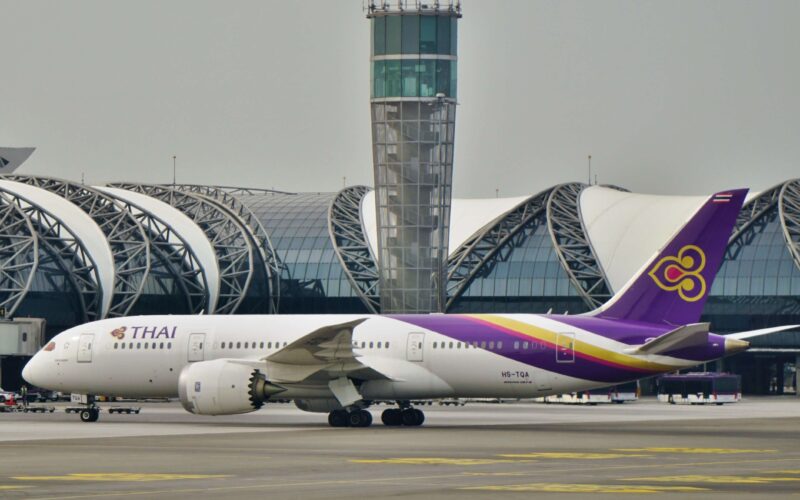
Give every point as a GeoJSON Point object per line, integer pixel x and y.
{"type": "Point", "coordinates": [340, 364]}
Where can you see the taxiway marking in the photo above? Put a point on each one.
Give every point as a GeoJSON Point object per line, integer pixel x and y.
{"type": "Point", "coordinates": [697, 451]}
{"type": "Point", "coordinates": [587, 488]}
{"type": "Point", "coordinates": [435, 461]}
{"type": "Point", "coordinates": [119, 477]}
{"type": "Point", "coordinates": [571, 455]}
{"type": "Point", "coordinates": [697, 478]}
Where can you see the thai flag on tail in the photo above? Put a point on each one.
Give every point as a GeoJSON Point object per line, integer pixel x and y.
{"type": "Point", "coordinates": [722, 197]}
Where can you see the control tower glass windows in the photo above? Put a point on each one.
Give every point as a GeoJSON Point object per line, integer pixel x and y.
{"type": "Point", "coordinates": [443, 35]}
{"type": "Point", "coordinates": [410, 35]}
{"type": "Point", "coordinates": [393, 78]}
{"type": "Point", "coordinates": [410, 78]}
{"type": "Point", "coordinates": [427, 35]}
{"type": "Point", "coordinates": [379, 79]}
{"type": "Point", "coordinates": [393, 34]}
{"type": "Point", "coordinates": [414, 78]}
{"type": "Point", "coordinates": [414, 34]}
{"type": "Point", "coordinates": [379, 36]}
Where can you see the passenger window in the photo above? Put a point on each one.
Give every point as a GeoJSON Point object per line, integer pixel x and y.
{"type": "Point", "coordinates": [491, 344]}
{"type": "Point", "coordinates": [238, 345]}
{"type": "Point", "coordinates": [246, 345]}
{"type": "Point", "coordinates": [387, 344]}
{"type": "Point", "coordinates": [261, 345]}
{"type": "Point", "coordinates": [499, 344]}
{"type": "Point", "coordinates": [363, 344]}
{"type": "Point", "coordinates": [380, 344]}
{"type": "Point", "coordinates": [284, 344]}
{"type": "Point", "coordinates": [451, 345]}
{"type": "Point", "coordinates": [524, 345]}
{"type": "Point", "coordinates": [458, 345]}
{"type": "Point", "coordinates": [169, 345]}
{"type": "Point", "coordinates": [138, 345]}
{"type": "Point", "coordinates": [434, 345]}
{"type": "Point", "coordinates": [483, 344]}
{"type": "Point", "coordinates": [370, 345]}
{"type": "Point", "coordinates": [145, 345]}
{"type": "Point", "coordinates": [115, 345]}
{"type": "Point", "coordinates": [269, 345]}
{"type": "Point", "coordinates": [516, 345]}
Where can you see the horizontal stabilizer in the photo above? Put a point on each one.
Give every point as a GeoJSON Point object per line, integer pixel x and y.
{"type": "Point", "coordinates": [685, 336]}
{"type": "Point", "coordinates": [757, 333]}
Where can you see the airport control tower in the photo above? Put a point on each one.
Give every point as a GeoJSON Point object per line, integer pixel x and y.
{"type": "Point", "coordinates": [413, 104]}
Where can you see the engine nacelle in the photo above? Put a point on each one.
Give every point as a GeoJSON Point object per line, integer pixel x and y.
{"type": "Point", "coordinates": [318, 405]}
{"type": "Point", "coordinates": [223, 387]}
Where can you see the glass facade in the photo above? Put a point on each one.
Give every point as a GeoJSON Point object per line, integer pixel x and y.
{"type": "Point", "coordinates": [757, 286]}
{"type": "Point", "coordinates": [313, 280]}
{"type": "Point", "coordinates": [528, 278]}
{"type": "Point", "coordinates": [415, 34]}
{"type": "Point", "coordinates": [413, 91]}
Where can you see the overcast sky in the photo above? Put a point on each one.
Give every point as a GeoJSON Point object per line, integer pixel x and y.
{"type": "Point", "coordinates": [678, 97]}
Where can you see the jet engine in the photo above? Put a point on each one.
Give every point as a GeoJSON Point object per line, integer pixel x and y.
{"type": "Point", "coordinates": [223, 387]}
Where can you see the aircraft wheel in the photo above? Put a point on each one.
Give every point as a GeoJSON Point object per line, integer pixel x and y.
{"type": "Point", "coordinates": [359, 418]}
{"type": "Point", "coordinates": [90, 415]}
{"type": "Point", "coordinates": [337, 418]}
{"type": "Point", "coordinates": [366, 418]}
{"type": "Point", "coordinates": [392, 417]}
{"type": "Point", "coordinates": [412, 417]}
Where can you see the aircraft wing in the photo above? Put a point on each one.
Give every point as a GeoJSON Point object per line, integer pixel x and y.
{"type": "Point", "coordinates": [325, 354]}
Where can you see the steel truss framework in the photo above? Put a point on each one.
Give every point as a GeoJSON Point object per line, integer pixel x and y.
{"type": "Point", "coordinates": [495, 241]}
{"type": "Point", "coordinates": [228, 236]}
{"type": "Point", "coordinates": [172, 259]}
{"type": "Point", "coordinates": [126, 237]}
{"type": "Point", "coordinates": [273, 266]}
{"type": "Point", "coordinates": [789, 210]}
{"type": "Point", "coordinates": [64, 259]}
{"type": "Point", "coordinates": [19, 254]}
{"type": "Point", "coordinates": [573, 246]}
{"type": "Point", "coordinates": [752, 219]}
{"type": "Point", "coordinates": [352, 248]}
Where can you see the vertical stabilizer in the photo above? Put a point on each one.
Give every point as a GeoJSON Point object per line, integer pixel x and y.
{"type": "Point", "coordinates": [673, 286]}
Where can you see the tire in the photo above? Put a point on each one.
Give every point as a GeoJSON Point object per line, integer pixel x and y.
{"type": "Point", "coordinates": [337, 418]}
{"type": "Point", "coordinates": [366, 418]}
{"type": "Point", "coordinates": [412, 417]}
{"type": "Point", "coordinates": [355, 419]}
{"type": "Point", "coordinates": [392, 417]}
{"type": "Point", "coordinates": [87, 415]}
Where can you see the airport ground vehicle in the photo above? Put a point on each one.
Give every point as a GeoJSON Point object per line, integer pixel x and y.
{"type": "Point", "coordinates": [700, 388]}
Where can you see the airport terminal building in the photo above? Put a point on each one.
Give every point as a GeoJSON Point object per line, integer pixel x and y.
{"type": "Point", "coordinates": [72, 253]}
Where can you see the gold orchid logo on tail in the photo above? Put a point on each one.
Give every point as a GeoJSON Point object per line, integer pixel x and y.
{"type": "Point", "coordinates": [681, 273]}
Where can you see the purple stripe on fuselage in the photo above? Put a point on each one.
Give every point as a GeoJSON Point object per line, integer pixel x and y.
{"type": "Point", "coordinates": [469, 329]}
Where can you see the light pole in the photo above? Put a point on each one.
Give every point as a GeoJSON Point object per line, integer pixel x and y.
{"type": "Point", "coordinates": [173, 170]}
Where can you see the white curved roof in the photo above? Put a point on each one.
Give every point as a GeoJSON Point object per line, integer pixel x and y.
{"type": "Point", "coordinates": [467, 217]}
{"type": "Point", "coordinates": [82, 226]}
{"type": "Point", "coordinates": [626, 229]}
{"type": "Point", "coordinates": [184, 227]}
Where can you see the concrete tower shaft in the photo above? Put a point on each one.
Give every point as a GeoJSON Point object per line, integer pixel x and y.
{"type": "Point", "coordinates": [413, 105]}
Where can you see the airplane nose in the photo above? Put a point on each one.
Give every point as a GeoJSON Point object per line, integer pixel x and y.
{"type": "Point", "coordinates": [31, 374]}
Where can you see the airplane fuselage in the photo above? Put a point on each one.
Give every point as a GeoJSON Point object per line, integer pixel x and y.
{"type": "Point", "coordinates": [421, 356]}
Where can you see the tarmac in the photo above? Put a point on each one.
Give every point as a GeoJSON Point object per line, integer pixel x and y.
{"type": "Point", "coordinates": [746, 450]}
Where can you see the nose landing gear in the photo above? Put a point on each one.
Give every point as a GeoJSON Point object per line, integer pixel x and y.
{"type": "Point", "coordinates": [90, 414]}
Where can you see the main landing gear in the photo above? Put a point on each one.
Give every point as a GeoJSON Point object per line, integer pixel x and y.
{"type": "Point", "coordinates": [354, 418]}
{"type": "Point", "coordinates": [410, 417]}
{"type": "Point", "coordinates": [392, 417]}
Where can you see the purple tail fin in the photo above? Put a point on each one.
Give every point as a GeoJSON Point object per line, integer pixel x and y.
{"type": "Point", "coordinates": [672, 288]}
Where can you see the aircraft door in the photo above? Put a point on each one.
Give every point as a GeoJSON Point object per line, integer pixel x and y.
{"type": "Point", "coordinates": [565, 348]}
{"type": "Point", "coordinates": [196, 346]}
{"type": "Point", "coordinates": [416, 341]}
{"type": "Point", "coordinates": [85, 343]}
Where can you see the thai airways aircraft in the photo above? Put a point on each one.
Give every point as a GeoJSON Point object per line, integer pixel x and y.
{"type": "Point", "coordinates": [340, 364]}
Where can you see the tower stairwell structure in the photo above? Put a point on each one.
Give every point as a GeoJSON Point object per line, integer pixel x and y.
{"type": "Point", "coordinates": [413, 107]}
